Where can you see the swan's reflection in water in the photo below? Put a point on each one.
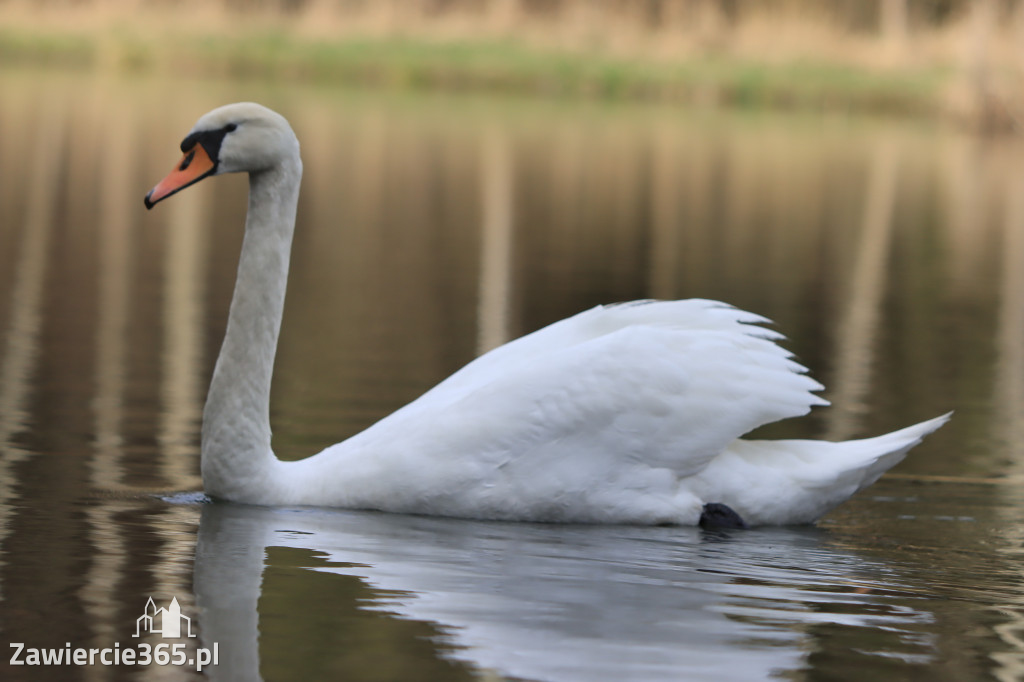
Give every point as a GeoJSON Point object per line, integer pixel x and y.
{"type": "Point", "coordinates": [569, 602]}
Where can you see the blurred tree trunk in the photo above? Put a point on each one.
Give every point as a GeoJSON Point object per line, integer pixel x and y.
{"type": "Point", "coordinates": [976, 66]}
{"type": "Point", "coordinates": [894, 26]}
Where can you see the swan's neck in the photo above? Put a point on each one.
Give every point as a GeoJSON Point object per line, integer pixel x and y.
{"type": "Point", "coordinates": [237, 461]}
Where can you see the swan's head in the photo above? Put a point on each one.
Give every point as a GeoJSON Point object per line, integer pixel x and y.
{"type": "Point", "coordinates": [243, 137]}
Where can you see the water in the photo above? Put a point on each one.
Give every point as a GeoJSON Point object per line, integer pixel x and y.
{"type": "Point", "coordinates": [891, 254]}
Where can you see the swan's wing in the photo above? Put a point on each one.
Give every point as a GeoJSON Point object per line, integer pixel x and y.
{"type": "Point", "coordinates": [669, 384]}
{"type": "Point", "coordinates": [694, 315]}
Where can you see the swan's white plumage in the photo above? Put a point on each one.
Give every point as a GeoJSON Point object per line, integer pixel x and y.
{"type": "Point", "coordinates": [629, 413]}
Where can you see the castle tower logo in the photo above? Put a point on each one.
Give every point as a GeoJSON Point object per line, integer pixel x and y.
{"type": "Point", "coordinates": [168, 622]}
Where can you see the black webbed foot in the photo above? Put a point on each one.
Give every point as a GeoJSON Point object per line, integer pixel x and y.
{"type": "Point", "coordinates": [718, 515]}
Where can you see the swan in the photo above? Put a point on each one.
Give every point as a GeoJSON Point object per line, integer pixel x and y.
{"type": "Point", "coordinates": [627, 413]}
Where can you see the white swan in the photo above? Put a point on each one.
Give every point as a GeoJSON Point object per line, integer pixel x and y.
{"type": "Point", "coordinates": [629, 413]}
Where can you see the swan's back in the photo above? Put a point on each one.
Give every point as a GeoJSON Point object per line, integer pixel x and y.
{"type": "Point", "coordinates": [699, 340]}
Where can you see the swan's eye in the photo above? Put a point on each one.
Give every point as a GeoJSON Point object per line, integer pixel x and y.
{"type": "Point", "coordinates": [230, 127]}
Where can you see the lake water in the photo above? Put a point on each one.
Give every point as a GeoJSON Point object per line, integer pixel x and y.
{"type": "Point", "coordinates": [430, 229]}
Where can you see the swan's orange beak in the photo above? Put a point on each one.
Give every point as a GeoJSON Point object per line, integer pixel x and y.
{"type": "Point", "coordinates": [193, 167]}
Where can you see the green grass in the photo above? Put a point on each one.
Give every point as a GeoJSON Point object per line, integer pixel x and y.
{"type": "Point", "coordinates": [18, 48]}
{"type": "Point", "coordinates": [504, 67]}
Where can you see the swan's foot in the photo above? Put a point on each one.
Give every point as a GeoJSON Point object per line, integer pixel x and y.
{"type": "Point", "coordinates": [718, 515]}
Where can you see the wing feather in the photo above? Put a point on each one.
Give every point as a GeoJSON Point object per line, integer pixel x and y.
{"type": "Point", "coordinates": [667, 384]}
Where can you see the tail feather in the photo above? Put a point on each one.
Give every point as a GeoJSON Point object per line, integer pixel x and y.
{"type": "Point", "coordinates": [881, 453]}
{"type": "Point", "coordinates": [797, 481]}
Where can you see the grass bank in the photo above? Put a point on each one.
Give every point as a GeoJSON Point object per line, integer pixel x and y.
{"type": "Point", "coordinates": [503, 66]}
{"type": "Point", "coordinates": [817, 70]}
